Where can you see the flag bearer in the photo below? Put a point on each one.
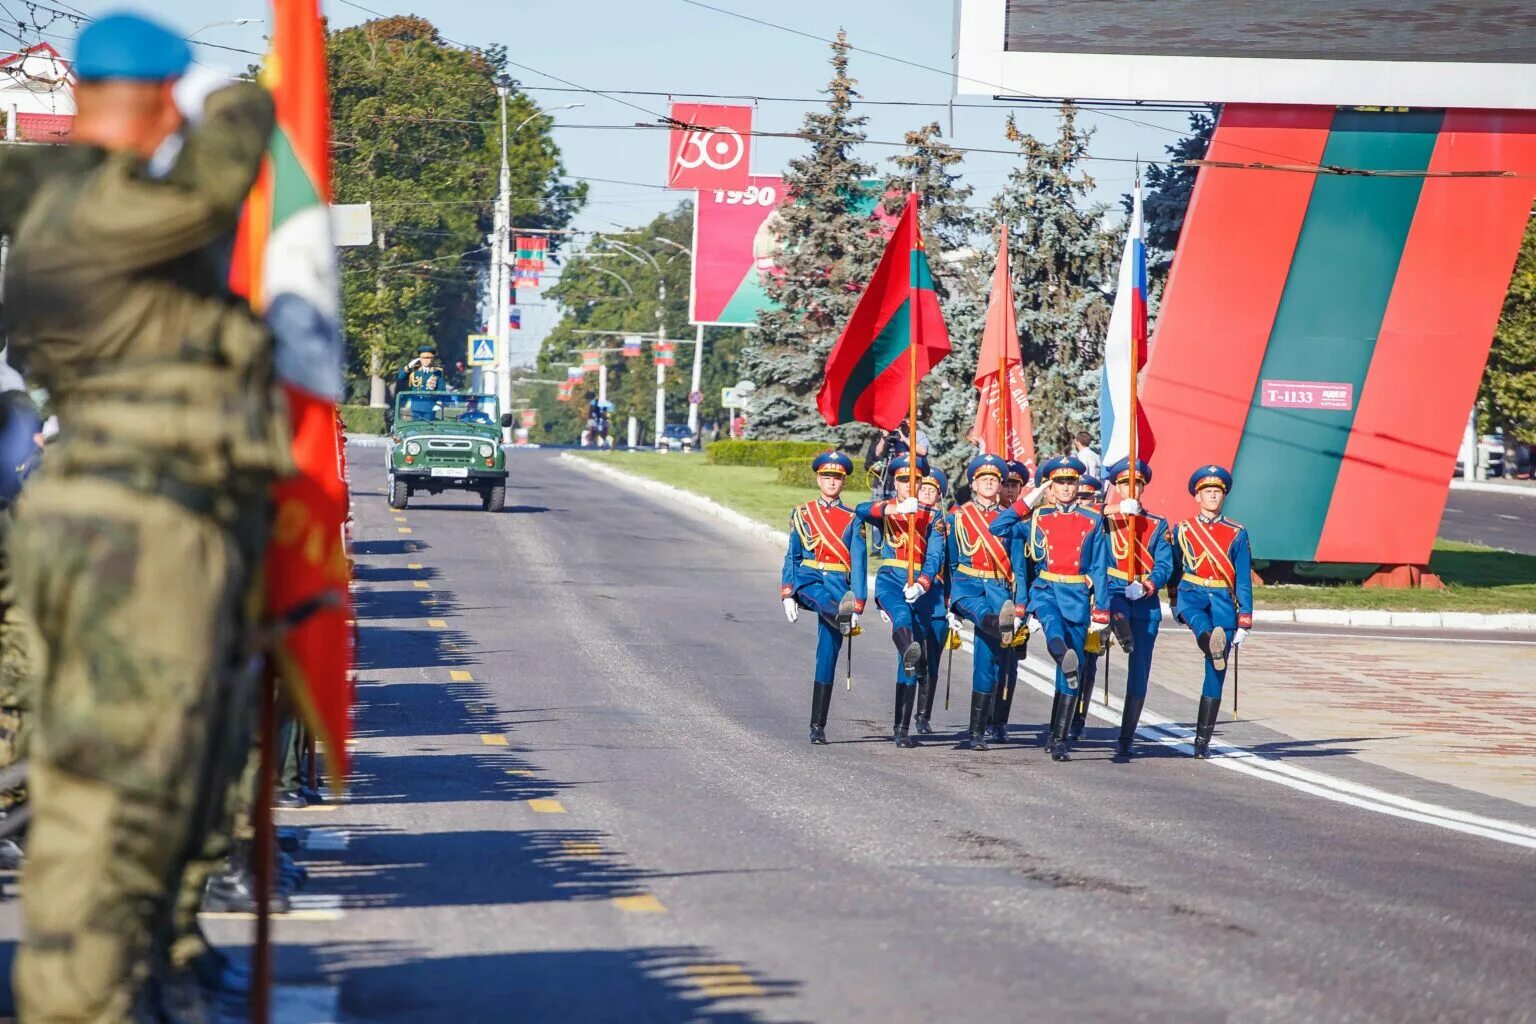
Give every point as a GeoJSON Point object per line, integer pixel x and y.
{"type": "Point", "coordinates": [819, 575]}
{"type": "Point", "coordinates": [1134, 589]}
{"type": "Point", "coordinates": [1064, 544]}
{"type": "Point", "coordinates": [906, 602]}
{"type": "Point", "coordinates": [1008, 668]}
{"type": "Point", "coordinates": [1215, 588]}
{"type": "Point", "coordinates": [982, 584]}
{"type": "Point", "coordinates": [932, 618]}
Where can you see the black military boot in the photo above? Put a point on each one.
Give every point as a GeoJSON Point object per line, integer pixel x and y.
{"type": "Point", "coordinates": [1045, 733]}
{"type": "Point", "coordinates": [1061, 723]}
{"type": "Point", "coordinates": [981, 712]}
{"type": "Point", "coordinates": [925, 691]}
{"type": "Point", "coordinates": [1128, 719]}
{"type": "Point", "coordinates": [901, 734]}
{"type": "Point", "coordinates": [1002, 706]}
{"type": "Point", "coordinates": [1066, 658]}
{"type": "Point", "coordinates": [1080, 711]}
{"type": "Point", "coordinates": [845, 612]}
{"type": "Point", "coordinates": [1205, 725]}
{"type": "Point", "coordinates": [1120, 629]}
{"type": "Point", "coordinates": [912, 660]}
{"type": "Point", "coordinates": [233, 891]}
{"type": "Point", "coordinates": [821, 703]}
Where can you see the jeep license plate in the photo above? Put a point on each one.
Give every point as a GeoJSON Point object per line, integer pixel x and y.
{"type": "Point", "coordinates": [455, 471]}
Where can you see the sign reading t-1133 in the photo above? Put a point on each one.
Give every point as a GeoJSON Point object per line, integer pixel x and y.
{"type": "Point", "coordinates": [1306, 394]}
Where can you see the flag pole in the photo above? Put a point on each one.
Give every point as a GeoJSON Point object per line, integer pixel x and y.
{"type": "Point", "coordinates": [1135, 567]}
{"type": "Point", "coordinates": [263, 844]}
{"type": "Point", "coordinates": [1003, 393]}
{"type": "Point", "coordinates": [912, 339]}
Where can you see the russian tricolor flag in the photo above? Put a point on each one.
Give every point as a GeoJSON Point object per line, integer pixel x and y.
{"type": "Point", "coordinates": [1125, 349]}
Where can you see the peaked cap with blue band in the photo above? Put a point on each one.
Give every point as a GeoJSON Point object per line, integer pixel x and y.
{"type": "Point", "coordinates": [1210, 476]}
{"type": "Point", "coordinates": [832, 461]}
{"type": "Point", "coordinates": [1120, 472]}
{"type": "Point", "coordinates": [1063, 467]}
{"type": "Point", "coordinates": [986, 465]}
{"type": "Point", "coordinates": [1018, 469]}
{"type": "Point", "coordinates": [130, 47]}
{"type": "Point", "coordinates": [901, 465]}
{"type": "Point", "coordinates": [935, 476]}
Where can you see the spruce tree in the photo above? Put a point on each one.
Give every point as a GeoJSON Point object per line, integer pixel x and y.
{"type": "Point", "coordinates": [829, 246]}
{"type": "Point", "coordinates": [1062, 259]}
{"type": "Point", "coordinates": [1166, 191]}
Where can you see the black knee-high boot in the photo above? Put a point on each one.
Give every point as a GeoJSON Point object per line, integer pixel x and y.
{"type": "Point", "coordinates": [981, 714]}
{"type": "Point", "coordinates": [925, 690]}
{"type": "Point", "coordinates": [1061, 724]}
{"type": "Point", "coordinates": [821, 703]}
{"type": "Point", "coordinates": [1080, 709]}
{"type": "Point", "coordinates": [1128, 719]}
{"type": "Point", "coordinates": [1205, 725]}
{"type": "Point", "coordinates": [901, 731]}
{"type": "Point", "coordinates": [1002, 706]}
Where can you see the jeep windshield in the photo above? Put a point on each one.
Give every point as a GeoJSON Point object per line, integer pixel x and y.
{"type": "Point", "coordinates": [440, 407]}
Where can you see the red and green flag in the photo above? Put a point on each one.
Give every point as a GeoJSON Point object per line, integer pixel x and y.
{"type": "Point", "coordinates": [895, 336]}
{"type": "Point", "coordinates": [285, 265]}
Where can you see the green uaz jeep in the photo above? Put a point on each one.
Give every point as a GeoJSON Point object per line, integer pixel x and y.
{"type": "Point", "coordinates": [443, 441]}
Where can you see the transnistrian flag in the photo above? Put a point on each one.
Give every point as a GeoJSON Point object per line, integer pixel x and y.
{"type": "Point", "coordinates": [869, 375]}
{"type": "Point", "coordinates": [1003, 425]}
{"type": "Point", "coordinates": [285, 264]}
{"type": "Point", "coordinates": [1125, 350]}
{"type": "Point", "coordinates": [591, 361]}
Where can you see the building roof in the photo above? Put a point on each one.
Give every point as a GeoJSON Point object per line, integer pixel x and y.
{"type": "Point", "coordinates": [43, 127]}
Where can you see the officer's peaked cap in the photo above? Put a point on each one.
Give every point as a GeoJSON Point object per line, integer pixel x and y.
{"type": "Point", "coordinates": [986, 465]}
{"type": "Point", "coordinates": [832, 461]}
{"type": "Point", "coordinates": [1120, 472]}
{"type": "Point", "coordinates": [1063, 467]}
{"type": "Point", "coordinates": [1210, 476]}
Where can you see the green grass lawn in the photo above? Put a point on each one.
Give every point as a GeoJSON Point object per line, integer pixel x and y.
{"type": "Point", "coordinates": [1478, 579]}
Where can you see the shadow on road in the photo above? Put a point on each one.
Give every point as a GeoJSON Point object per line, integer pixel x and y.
{"type": "Point", "coordinates": [380, 648]}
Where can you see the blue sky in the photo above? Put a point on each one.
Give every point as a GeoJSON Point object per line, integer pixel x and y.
{"type": "Point", "coordinates": [672, 47]}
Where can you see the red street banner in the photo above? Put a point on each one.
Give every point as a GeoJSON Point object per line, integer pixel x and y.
{"type": "Point", "coordinates": [710, 146]}
{"type": "Point", "coordinates": [564, 392]}
{"type": "Point", "coordinates": [531, 251]}
{"type": "Point", "coordinates": [734, 249]}
{"type": "Point", "coordinates": [870, 372]}
{"type": "Point", "coordinates": [284, 259]}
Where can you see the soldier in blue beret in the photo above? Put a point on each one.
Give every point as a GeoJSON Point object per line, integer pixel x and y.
{"type": "Point", "coordinates": [906, 596]}
{"type": "Point", "coordinates": [1214, 577]}
{"type": "Point", "coordinates": [1064, 546]}
{"type": "Point", "coordinates": [131, 48]}
{"type": "Point", "coordinates": [820, 575]}
{"type": "Point", "coordinates": [1140, 565]}
{"type": "Point", "coordinates": [983, 584]}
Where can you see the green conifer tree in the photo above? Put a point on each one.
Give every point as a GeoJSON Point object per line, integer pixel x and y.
{"type": "Point", "coordinates": [1507, 397]}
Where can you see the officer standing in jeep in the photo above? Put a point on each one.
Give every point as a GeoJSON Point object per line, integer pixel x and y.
{"type": "Point", "coordinates": [421, 374]}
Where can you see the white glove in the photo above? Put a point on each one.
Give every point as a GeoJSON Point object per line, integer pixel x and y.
{"type": "Point", "coordinates": [791, 610]}
{"type": "Point", "coordinates": [1097, 627]}
{"type": "Point", "coordinates": [1035, 497]}
{"type": "Point", "coordinates": [853, 622]}
{"type": "Point", "coordinates": [1135, 590]}
{"type": "Point", "coordinates": [192, 90]}
{"type": "Point", "coordinates": [905, 507]}
{"type": "Point", "coordinates": [884, 617]}
{"type": "Point", "coordinates": [1033, 625]}
{"type": "Point", "coordinates": [1239, 637]}
{"type": "Point", "coordinates": [1130, 506]}
{"type": "Point", "coordinates": [912, 592]}
{"type": "Point", "coordinates": [954, 622]}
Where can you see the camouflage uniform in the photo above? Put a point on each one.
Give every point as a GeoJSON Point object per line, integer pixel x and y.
{"type": "Point", "coordinates": [130, 550]}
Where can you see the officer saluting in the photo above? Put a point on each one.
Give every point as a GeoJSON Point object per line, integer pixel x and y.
{"type": "Point", "coordinates": [1064, 545]}
{"type": "Point", "coordinates": [904, 526]}
{"type": "Point", "coordinates": [819, 575]}
{"type": "Point", "coordinates": [983, 585]}
{"type": "Point", "coordinates": [1141, 563]}
{"type": "Point", "coordinates": [1215, 588]}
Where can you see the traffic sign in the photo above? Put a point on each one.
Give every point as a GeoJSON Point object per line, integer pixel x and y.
{"type": "Point", "coordinates": [696, 398]}
{"type": "Point", "coordinates": [482, 350]}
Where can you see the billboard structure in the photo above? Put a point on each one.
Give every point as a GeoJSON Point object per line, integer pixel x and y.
{"type": "Point", "coordinates": [1451, 53]}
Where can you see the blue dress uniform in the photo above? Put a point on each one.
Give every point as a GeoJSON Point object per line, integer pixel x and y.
{"type": "Point", "coordinates": [901, 540]}
{"type": "Point", "coordinates": [982, 588]}
{"type": "Point", "coordinates": [1008, 667]}
{"type": "Point", "coordinates": [1089, 497]}
{"type": "Point", "coordinates": [1139, 545]}
{"type": "Point", "coordinates": [1068, 591]}
{"type": "Point", "coordinates": [933, 610]}
{"type": "Point", "coordinates": [819, 575]}
{"type": "Point", "coordinates": [1215, 592]}
{"type": "Point", "coordinates": [421, 378]}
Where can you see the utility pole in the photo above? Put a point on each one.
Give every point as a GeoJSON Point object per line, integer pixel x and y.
{"type": "Point", "coordinates": [698, 351]}
{"type": "Point", "coordinates": [501, 257]}
{"type": "Point", "coordinates": [661, 370]}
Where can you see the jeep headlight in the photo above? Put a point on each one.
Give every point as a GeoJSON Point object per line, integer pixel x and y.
{"type": "Point", "coordinates": [413, 447]}
{"type": "Point", "coordinates": [485, 451]}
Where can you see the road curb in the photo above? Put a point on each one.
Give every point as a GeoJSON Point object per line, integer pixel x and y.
{"type": "Point", "coordinates": [1359, 617]}
{"type": "Point", "coordinates": [1483, 485]}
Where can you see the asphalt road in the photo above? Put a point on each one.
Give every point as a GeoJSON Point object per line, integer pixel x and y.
{"type": "Point", "coordinates": [1489, 517]}
{"type": "Point", "coordinates": [657, 841]}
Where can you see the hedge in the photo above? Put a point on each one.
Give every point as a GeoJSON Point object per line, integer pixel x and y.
{"type": "Point", "coordinates": [362, 419]}
{"type": "Point", "coordinates": [796, 473]}
{"type": "Point", "coordinates": [760, 453]}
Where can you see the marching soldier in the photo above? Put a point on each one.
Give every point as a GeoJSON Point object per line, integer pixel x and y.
{"type": "Point", "coordinates": [1089, 496]}
{"type": "Point", "coordinates": [932, 624]}
{"type": "Point", "coordinates": [820, 575]}
{"type": "Point", "coordinates": [1008, 668]}
{"type": "Point", "coordinates": [1140, 565]}
{"type": "Point", "coordinates": [135, 551]}
{"type": "Point", "coordinates": [1064, 545]}
{"type": "Point", "coordinates": [982, 584]}
{"type": "Point", "coordinates": [905, 596]}
{"type": "Point", "coordinates": [1215, 588]}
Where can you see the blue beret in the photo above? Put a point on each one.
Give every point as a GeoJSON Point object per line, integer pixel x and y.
{"type": "Point", "coordinates": [1063, 467]}
{"type": "Point", "coordinates": [1207, 476]}
{"type": "Point", "coordinates": [832, 461]}
{"type": "Point", "coordinates": [132, 47]}
{"type": "Point", "coordinates": [1121, 471]}
{"type": "Point", "coordinates": [936, 477]}
{"type": "Point", "coordinates": [990, 465]}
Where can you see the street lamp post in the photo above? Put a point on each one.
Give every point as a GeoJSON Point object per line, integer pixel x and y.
{"type": "Point", "coordinates": [698, 355]}
{"type": "Point", "coordinates": [661, 332]}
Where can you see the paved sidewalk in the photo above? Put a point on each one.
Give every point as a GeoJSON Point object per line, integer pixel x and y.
{"type": "Point", "coordinates": [1462, 714]}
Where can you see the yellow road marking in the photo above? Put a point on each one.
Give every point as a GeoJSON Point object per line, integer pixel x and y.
{"type": "Point", "coordinates": [402, 529]}
{"type": "Point", "coordinates": [545, 805]}
{"type": "Point", "coordinates": [437, 623]}
{"type": "Point", "coordinates": [413, 565]}
{"type": "Point", "coordinates": [518, 771]}
{"type": "Point", "coordinates": [421, 585]}
{"type": "Point", "coordinates": [492, 739]}
{"type": "Point", "coordinates": [399, 519]}
{"type": "Point", "coordinates": [645, 903]}
{"type": "Point", "coordinates": [459, 675]}
{"type": "Point", "coordinates": [723, 981]}
{"type": "Point", "coordinates": [311, 809]}
{"type": "Point", "coordinates": [580, 848]}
